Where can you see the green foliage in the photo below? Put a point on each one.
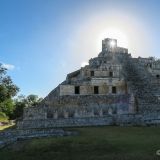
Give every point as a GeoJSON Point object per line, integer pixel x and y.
{"type": "Point", "coordinates": [13, 108]}
{"type": "Point", "coordinates": [7, 107]}
{"type": "Point", "coordinates": [22, 101]}
{"type": "Point", "coordinates": [7, 88]}
{"type": "Point", "coordinates": [3, 117]}
{"type": "Point", "coordinates": [33, 100]}
{"type": "Point", "coordinates": [7, 91]}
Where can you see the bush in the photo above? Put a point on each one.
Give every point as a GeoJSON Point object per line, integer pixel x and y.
{"type": "Point", "coordinates": [3, 117]}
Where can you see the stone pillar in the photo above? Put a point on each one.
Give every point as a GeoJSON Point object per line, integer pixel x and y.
{"type": "Point", "coordinates": [92, 113]}
{"type": "Point", "coordinates": [76, 114]}
{"type": "Point", "coordinates": [110, 111]}
{"type": "Point", "coordinates": [128, 87]}
{"type": "Point", "coordinates": [110, 89]}
{"type": "Point", "coordinates": [101, 113]}
{"type": "Point", "coordinates": [55, 116]}
{"type": "Point", "coordinates": [131, 108]}
{"type": "Point", "coordinates": [45, 115]}
{"type": "Point", "coordinates": [65, 114]}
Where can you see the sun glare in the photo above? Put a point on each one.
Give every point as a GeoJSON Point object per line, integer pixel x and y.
{"type": "Point", "coordinates": [116, 34]}
{"type": "Point", "coordinates": [112, 43]}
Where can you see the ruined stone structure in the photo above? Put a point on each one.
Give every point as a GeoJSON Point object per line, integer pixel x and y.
{"type": "Point", "coordinates": [114, 89]}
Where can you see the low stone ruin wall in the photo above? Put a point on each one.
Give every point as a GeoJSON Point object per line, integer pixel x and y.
{"type": "Point", "coordinates": [125, 119]}
{"type": "Point", "coordinates": [152, 118]}
{"type": "Point", "coordinates": [68, 122]}
{"type": "Point", "coordinates": [11, 136]}
{"type": "Point", "coordinates": [120, 120]}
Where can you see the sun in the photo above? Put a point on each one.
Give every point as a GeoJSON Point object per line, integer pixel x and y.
{"type": "Point", "coordinates": [112, 43]}
{"type": "Point", "coordinates": [122, 39]}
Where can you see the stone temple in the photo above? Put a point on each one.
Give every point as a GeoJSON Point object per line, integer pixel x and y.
{"type": "Point", "coordinates": [114, 89]}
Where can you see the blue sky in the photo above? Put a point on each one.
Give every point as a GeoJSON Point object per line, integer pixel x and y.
{"type": "Point", "coordinates": [43, 40]}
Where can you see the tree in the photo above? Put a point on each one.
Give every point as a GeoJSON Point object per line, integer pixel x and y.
{"type": "Point", "coordinates": [32, 100]}
{"type": "Point", "coordinates": [21, 102]}
{"type": "Point", "coordinates": [7, 91]}
{"type": "Point", "coordinates": [13, 108]}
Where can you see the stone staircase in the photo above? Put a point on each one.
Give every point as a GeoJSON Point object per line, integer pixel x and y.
{"type": "Point", "coordinates": [140, 84]}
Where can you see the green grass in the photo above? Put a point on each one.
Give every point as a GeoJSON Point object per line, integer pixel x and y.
{"type": "Point", "coordinates": [93, 143]}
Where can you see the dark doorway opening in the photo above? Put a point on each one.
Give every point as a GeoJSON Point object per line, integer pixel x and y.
{"type": "Point", "coordinates": [111, 74]}
{"type": "Point", "coordinates": [77, 90]}
{"type": "Point", "coordinates": [92, 73]}
{"type": "Point", "coordinates": [96, 90]}
{"type": "Point", "coordinates": [114, 90]}
{"type": "Point", "coordinates": [49, 115]}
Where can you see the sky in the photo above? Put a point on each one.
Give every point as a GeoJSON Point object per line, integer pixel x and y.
{"type": "Point", "coordinates": [41, 41]}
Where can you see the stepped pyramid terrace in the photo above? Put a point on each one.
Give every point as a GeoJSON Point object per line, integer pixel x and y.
{"type": "Point", "coordinates": [114, 89]}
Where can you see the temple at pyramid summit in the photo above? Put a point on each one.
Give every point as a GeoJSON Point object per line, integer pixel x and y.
{"type": "Point", "coordinates": [114, 89]}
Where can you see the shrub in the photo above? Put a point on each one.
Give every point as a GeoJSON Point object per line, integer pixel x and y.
{"type": "Point", "coordinates": [3, 117]}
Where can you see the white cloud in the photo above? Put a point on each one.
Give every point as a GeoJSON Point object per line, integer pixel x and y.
{"type": "Point", "coordinates": [8, 66]}
{"type": "Point", "coordinates": [84, 64]}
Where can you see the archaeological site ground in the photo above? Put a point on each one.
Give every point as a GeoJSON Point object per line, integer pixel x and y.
{"type": "Point", "coordinates": [92, 143]}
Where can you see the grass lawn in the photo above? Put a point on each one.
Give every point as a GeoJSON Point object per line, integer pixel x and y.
{"type": "Point", "coordinates": [93, 143]}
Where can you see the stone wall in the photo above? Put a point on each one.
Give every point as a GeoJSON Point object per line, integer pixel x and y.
{"type": "Point", "coordinates": [67, 90]}
{"type": "Point", "coordinates": [120, 120]}
{"type": "Point", "coordinates": [11, 136]}
{"type": "Point", "coordinates": [70, 122]}
{"type": "Point", "coordinates": [80, 106]}
{"type": "Point", "coordinates": [34, 113]}
{"type": "Point", "coordinates": [104, 71]}
{"type": "Point", "coordinates": [104, 87]}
